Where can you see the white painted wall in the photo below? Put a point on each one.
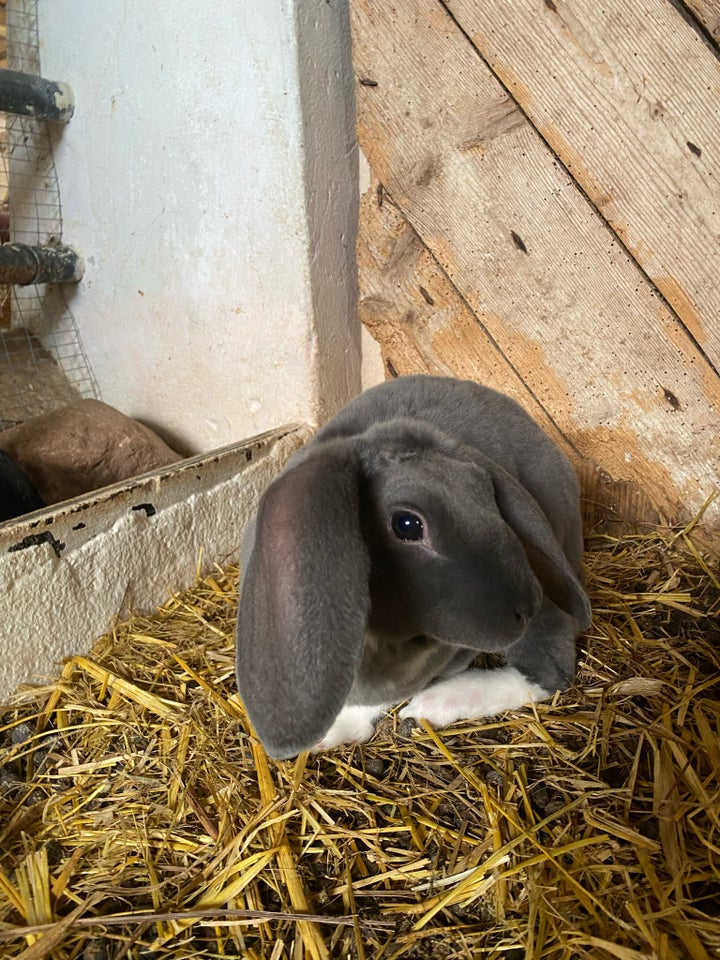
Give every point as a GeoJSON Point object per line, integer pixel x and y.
{"type": "Point", "coordinates": [209, 179]}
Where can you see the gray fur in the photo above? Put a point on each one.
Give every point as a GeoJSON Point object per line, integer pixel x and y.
{"type": "Point", "coordinates": [335, 610]}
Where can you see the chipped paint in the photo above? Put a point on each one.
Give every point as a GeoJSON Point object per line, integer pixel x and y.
{"type": "Point", "coordinates": [64, 100]}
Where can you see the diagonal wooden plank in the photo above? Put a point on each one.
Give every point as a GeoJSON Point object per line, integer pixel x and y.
{"type": "Point", "coordinates": [417, 316]}
{"type": "Point", "coordinates": [628, 97]}
{"type": "Point", "coordinates": [563, 301]}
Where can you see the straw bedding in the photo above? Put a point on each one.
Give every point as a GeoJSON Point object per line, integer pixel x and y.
{"type": "Point", "coordinates": [140, 818]}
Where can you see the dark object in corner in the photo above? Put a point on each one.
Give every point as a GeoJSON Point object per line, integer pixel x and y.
{"type": "Point", "coordinates": [22, 264]}
{"type": "Point", "coordinates": [30, 96]}
{"type": "Point", "coordinates": [17, 492]}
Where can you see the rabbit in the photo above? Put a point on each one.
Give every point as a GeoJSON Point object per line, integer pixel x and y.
{"type": "Point", "coordinates": [18, 494]}
{"type": "Point", "coordinates": [430, 521]}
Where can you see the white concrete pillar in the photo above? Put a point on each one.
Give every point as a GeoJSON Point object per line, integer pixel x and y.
{"type": "Point", "coordinates": [209, 180]}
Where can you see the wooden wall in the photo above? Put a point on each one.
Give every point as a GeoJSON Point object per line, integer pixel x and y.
{"type": "Point", "coordinates": [544, 217]}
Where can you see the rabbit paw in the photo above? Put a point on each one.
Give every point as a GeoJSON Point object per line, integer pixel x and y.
{"type": "Point", "coordinates": [352, 724]}
{"type": "Point", "coordinates": [473, 694]}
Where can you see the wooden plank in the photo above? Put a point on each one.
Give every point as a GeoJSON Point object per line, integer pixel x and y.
{"type": "Point", "coordinates": [561, 299]}
{"type": "Point", "coordinates": [417, 316]}
{"type": "Point", "coordinates": [626, 94]}
{"type": "Point", "coordinates": [411, 308]}
{"type": "Point", "coordinates": [708, 13]}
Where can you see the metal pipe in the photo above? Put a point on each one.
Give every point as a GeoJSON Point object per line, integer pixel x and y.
{"type": "Point", "coordinates": [21, 264]}
{"type": "Point", "coordinates": [31, 96]}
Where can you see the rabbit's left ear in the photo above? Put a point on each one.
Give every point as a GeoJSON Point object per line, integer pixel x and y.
{"type": "Point", "coordinates": [523, 514]}
{"type": "Point", "coordinates": [304, 602]}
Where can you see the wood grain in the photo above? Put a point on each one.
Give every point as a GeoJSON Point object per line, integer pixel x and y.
{"type": "Point", "coordinates": [545, 279]}
{"type": "Point", "coordinates": [417, 316]}
{"type": "Point", "coordinates": [628, 97]}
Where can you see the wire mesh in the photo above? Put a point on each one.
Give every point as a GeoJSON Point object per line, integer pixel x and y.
{"type": "Point", "coordinates": [42, 361]}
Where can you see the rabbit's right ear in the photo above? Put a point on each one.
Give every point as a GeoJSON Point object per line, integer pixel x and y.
{"type": "Point", "coordinates": [546, 557]}
{"type": "Point", "coordinates": [305, 601]}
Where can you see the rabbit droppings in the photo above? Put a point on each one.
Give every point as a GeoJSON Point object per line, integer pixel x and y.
{"type": "Point", "coordinates": [429, 521]}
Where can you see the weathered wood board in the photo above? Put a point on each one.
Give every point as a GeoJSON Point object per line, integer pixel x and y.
{"type": "Point", "coordinates": [628, 98]}
{"type": "Point", "coordinates": [538, 295]}
{"type": "Point", "coordinates": [399, 271]}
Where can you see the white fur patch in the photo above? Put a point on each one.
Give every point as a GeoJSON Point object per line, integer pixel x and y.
{"type": "Point", "coordinates": [352, 724]}
{"type": "Point", "coordinates": [473, 694]}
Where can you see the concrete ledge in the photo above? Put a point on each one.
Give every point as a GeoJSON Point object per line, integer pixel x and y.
{"type": "Point", "coordinates": [69, 572]}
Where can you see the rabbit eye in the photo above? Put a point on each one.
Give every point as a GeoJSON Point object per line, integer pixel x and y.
{"type": "Point", "coordinates": [406, 525]}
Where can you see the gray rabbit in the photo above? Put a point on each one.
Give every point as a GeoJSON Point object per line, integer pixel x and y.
{"type": "Point", "coordinates": [429, 521]}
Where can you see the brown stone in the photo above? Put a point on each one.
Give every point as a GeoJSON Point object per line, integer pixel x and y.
{"type": "Point", "coordinates": [83, 446]}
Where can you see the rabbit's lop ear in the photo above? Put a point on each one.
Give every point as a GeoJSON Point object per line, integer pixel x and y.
{"type": "Point", "coordinates": [522, 513]}
{"type": "Point", "coordinates": [305, 601]}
